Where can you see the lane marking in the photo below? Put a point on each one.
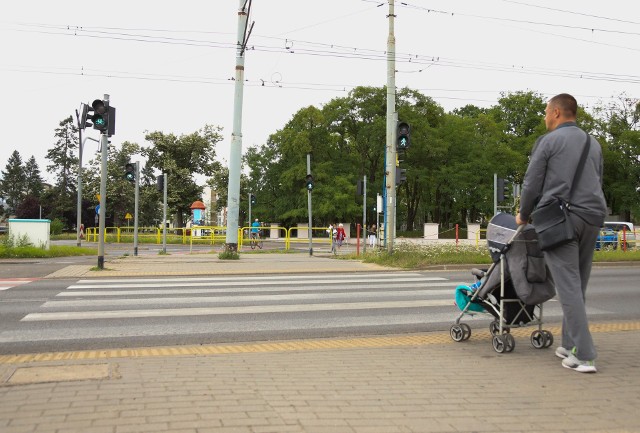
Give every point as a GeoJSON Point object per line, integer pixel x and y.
{"type": "Point", "coordinates": [186, 291]}
{"type": "Point", "coordinates": [247, 281]}
{"type": "Point", "coordinates": [251, 309]}
{"type": "Point", "coordinates": [246, 298]}
{"type": "Point", "coordinates": [8, 283]}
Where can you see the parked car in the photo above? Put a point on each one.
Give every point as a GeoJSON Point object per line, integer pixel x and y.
{"type": "Point", "coordinates": [625, 233]}
{"type": "Point", "coordinates": [607, 240]}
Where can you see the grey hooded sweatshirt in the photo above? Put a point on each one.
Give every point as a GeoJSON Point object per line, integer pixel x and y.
{"type": "Point", "coordinates": [553, 164]}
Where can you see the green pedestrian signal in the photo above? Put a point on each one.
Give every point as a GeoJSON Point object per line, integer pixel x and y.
{"type": "Point", "coordinates": [404, 136]}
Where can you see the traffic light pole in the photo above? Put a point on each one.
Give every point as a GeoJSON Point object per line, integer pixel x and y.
{"type": "Point", "coordinates": [250, 220]}
{"type": "Point", "coordinates": [390, 157]}
{"type": "Point", "coordinates": [309, 205]}
{"type": "Point", "coordinates": [104, 149]}
{"type": "Point", "coordinates": [135, 214]}
{"type": "Point", "coordinates": [164, 215]}
{"type": "Point", "coordinates": [364, 215]}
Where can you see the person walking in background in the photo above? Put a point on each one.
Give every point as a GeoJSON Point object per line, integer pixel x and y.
{"type": "Point", "coordinates": [340, 235]}
{"type": "Point", "coordinates": [372, 235]}
{"type": "Point", "coordinates": [549, 176]}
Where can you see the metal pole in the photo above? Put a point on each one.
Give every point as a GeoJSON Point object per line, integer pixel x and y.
{"type": "Point", "coordinates": [235, 155]}
{"type": "Point", "coordinates": [79, 201]}
{"type": "Point", "coordinates": [391, 129]}
{"type": "Point", "coordinates": [135, 214]}
{"type": "Point", "coordinates": [104, 148]}
{"type": "Point", "coordinates": [495, 193]}
{"type": "Point", "coordinates": [164, 216]}
{"type": "Point", "coordinates": [364, 215]}
{"type": "Point", "coordinates": [309, 205]}
{"type": "Point", "coordinates": [250, 220]}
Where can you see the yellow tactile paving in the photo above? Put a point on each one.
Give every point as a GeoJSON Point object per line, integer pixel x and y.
{"type": "Point", "coordinates": [297, 345]}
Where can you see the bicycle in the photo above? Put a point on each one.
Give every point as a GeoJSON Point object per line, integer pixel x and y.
{"type": "Point", "coordinates": [256, 240]}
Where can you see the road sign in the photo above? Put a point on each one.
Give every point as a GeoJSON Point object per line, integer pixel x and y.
{"type": "Point", "coordinates": [98, 210]}
{"type": "Point", "coordinates": [128, 216]}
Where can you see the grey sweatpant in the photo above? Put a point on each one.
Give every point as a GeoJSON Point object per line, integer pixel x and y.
{"type": "Point", "coordinates": [570, 266]}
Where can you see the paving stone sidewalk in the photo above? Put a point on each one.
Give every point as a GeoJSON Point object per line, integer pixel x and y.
{"type": "Point", "coordinates": [434, 386]}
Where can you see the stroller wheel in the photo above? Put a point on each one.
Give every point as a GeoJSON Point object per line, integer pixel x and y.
{"type": "Point", "coordinates": [539, 339]}
{"type": "Point", "coordinates": [499, 343]}
{"type": "Point", "coordinates": [494, 328]}
{"type": "Point", "coordinates": [549, 337]}
{"type": "Point", "coordinates": [510, 342]}
{"type": "Point", "coordinates": [457, 333]}
{"type": "Point", "coordinates": [467, 331]}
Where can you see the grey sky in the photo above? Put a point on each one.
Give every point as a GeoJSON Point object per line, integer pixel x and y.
{"type": "Point", "coordinates": [168, 65]}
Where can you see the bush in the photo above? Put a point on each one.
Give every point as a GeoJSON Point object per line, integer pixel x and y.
{"type": "Point", "coordinates": [56, 227]}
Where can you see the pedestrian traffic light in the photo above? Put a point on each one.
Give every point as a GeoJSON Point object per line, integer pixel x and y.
{"type": "Point", "coordinates": [130, 172]}
{"type": "Point", "coordinates": [502, 189]}
{"type": "Point", "coordinates": [254, 200]}
{"type": "Point", "coordinates": [100, 116]}
{"type": "Point", "coordinates": [404, 136]}
{"type": "Point", "coordinates": [401, 175]}
{"type": "Point", "coordinates": [309, 182]}
{"type": "Point", "coordinates": [160, 182]}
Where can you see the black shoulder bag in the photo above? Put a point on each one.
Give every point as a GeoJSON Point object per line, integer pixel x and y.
{"type": "Point", "coordinates": [551, 221]}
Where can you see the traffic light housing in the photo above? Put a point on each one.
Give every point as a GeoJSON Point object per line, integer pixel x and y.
{"type": "Point", "coordinates": [404, 136]}
{"type": "Point", "coordinates": [160, 182]}
{"type": "Point", "coordinates": [84, 121]}
{"type": "Point", "coordinates": [254, 200]}
{"type": "Point", "coordinates": [100, 115]}
{"type": "Point", "coordinates": [130, 172]}
{"type": "Point", "coordinates": [401, 175]}
{"type": "Point", "coordinates": [502, 189]}
{"type": "Point", "coordinates": [309, 182]}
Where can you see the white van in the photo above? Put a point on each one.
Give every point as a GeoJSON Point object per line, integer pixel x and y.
{"type": "Point", "coordinates": [623, 228]}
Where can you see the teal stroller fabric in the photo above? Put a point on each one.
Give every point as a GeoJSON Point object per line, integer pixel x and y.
{"type": "Point", "coordinates": [463, 297]}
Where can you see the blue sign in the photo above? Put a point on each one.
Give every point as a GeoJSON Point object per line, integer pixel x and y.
{"type": "Point", "coordinates": [98, 210]}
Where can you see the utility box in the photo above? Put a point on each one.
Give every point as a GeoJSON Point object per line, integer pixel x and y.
{"type": "Point", "coordinates": [36, 232]}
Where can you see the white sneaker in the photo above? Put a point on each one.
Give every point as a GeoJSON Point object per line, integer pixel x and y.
{"type": "Point", "coordinates": [580, 366]}
{"type": "Point", "coordinates": [563, 353]}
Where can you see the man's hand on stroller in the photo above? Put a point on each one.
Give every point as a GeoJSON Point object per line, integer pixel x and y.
{"type": "Point", "coordinates": [519, 221]}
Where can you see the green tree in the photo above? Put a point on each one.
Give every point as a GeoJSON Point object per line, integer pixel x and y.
{"type": "Point", "coordinates": [619, 132]}
{"type": "Point", "coordinates": [181, 158]}
{"type": "Point", "coordinates": [34, 185]}
{"type": "Point", "coordinates": [64, 166]}
{"type": "Point", "coordinates": [12, 184]}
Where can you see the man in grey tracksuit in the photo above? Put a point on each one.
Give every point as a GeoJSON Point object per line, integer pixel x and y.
{"type": "Point", "coordinates": [552, 166]}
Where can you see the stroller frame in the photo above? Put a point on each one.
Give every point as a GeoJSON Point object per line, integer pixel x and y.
{"type": "Point", "coordinates": [502, 340]}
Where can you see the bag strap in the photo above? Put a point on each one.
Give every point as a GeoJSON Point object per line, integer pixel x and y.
{"type": "Point", "coordinates": [580, 167]}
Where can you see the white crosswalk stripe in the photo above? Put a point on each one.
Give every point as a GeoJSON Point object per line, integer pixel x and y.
{"type": "Point", "coordinates": [8, 283]}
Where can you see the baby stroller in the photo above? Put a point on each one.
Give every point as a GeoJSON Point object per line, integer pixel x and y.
{"type": "Point", "coordinates": [512, 290]}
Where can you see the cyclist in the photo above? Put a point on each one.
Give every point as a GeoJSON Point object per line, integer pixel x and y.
{"type": "Point", "coordinates": [255, 230]}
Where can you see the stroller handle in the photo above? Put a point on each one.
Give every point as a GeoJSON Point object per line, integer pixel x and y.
{"type": "Point", "coordinates": [518, 231]}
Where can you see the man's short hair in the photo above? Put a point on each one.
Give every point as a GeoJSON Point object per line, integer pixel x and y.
{"type": "Point", "coordinates": [565, 103]}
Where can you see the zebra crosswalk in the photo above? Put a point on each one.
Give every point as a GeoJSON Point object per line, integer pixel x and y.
{"type": "Point", "coordinates": [234, 305]}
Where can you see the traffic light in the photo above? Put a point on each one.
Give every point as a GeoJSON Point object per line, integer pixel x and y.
{"type": "Point", "coordinates": [83, 117]}
{"type": "Point", "coordinates": [502, 189]}
{"type": "Point", "coordinates": [130, 172]}
{"type": "Point", "coordinates": [404, 136]}
{"type": "Point", "coordinates": [309, 182]}
{"type": "Point", "coordinates": [254, 200]}
{"type": "Point", "coordinates": [160, 182]}
{"type": "Point", "coordinates": [401, 175]}
{"type": "Point", "coordinates": [100, 115]}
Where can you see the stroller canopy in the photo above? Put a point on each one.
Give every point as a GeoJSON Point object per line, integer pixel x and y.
{"type": "Point", "coordinates": [524, 261]}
